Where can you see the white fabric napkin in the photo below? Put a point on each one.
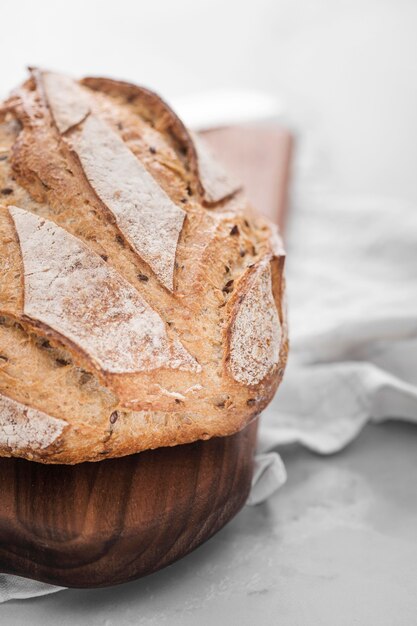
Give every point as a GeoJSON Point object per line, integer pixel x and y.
{"type": "Point", "coordinates": [352, 287]}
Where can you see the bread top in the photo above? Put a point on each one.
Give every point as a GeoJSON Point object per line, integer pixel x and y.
{"type": "Point", "coordinates": [141, 297]}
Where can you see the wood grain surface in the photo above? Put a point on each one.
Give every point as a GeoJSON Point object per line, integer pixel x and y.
{"type": "Point", "coordinates": [104, 523]}
{"type": "Point", "coordinates": [260, 156]}
{"type": "Point", "coordinates": [99, 524]}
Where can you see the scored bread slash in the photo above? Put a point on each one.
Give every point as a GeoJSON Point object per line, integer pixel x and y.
{"type": "Point", "coordinates": [74, 292]}
{"type": "Point", "coordinates": [216, 182]}
{"type": "Point", "coordinates": [255, 333]}
{"type": "Point", "coordinates": [68, 102]}
{"type": "Point", "coordinates": [23, 427]}
{"type": "Point", "coordinates": [144, 213]}
{"type": "Point", "coordinates": [147, 217]}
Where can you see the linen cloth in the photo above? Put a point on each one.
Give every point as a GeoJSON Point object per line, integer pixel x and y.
{"type": "Point", "coordinates": [352, 290]}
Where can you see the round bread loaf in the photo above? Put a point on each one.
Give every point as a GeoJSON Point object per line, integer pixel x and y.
{"type": "Point", "coordinates": [141, 298]}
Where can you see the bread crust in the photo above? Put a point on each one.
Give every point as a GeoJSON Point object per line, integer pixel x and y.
{"type": "Point", "coordinates": [142, 300]}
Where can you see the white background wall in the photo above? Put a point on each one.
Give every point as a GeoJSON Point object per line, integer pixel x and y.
{"type": "Point", "coordinates": [347, 68]}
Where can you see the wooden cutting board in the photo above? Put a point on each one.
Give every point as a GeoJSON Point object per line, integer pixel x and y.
{"type": "Point", "coordinates": [98, 524]}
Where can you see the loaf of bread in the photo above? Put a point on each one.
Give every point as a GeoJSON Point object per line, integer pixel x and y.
{"type": "Point", "coordinates": [141, 298]}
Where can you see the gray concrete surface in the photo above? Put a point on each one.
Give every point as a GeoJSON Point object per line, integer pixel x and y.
{"type": "Point", "coordinates": [337, 546]}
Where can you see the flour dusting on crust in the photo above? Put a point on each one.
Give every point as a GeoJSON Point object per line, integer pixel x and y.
{"type": "Point", "coordinates": [73, 291]}
{"type": "Point", "coordinates": [256, 331]}
{"type": "Point", "coordinates": [68, 102]}
{"type": "Point", "coordinates": [216, 182]}
{"type": "Point", "coordinates": [145, 214]}
{"type": "Point", "coordinates": [22, 427]}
